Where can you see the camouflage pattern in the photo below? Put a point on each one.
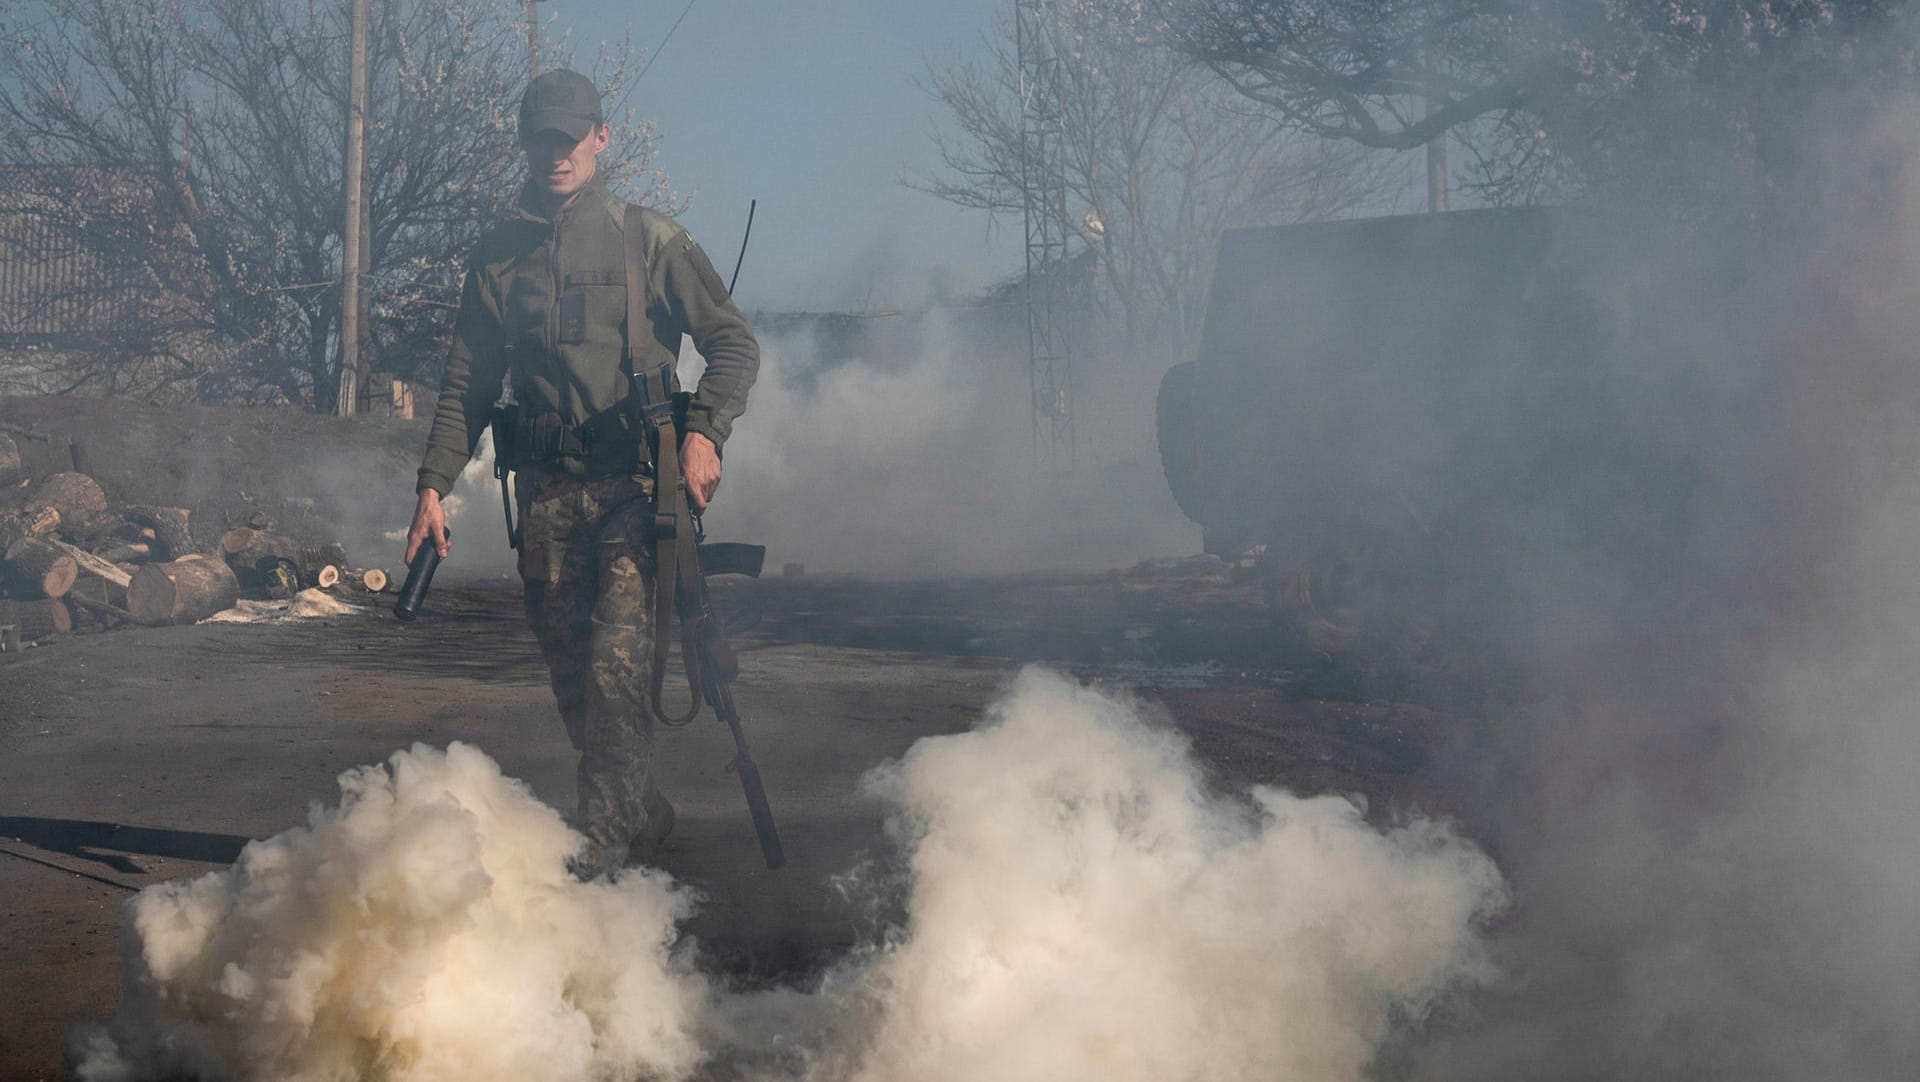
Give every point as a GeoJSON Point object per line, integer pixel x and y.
{"type": "Point", "coordinates": [544, 305]}
{"type": "Point", "coordinates": [587, 562]}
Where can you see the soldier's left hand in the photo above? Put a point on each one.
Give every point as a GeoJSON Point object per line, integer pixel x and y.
{"type": "Point", "coordinates": [700, 464]}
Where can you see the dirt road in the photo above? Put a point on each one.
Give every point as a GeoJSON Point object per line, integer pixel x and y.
{"type": "Point", "coordinates": [130, 758]}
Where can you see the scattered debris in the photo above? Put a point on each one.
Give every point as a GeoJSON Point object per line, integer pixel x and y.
{"type": "Point", "coordinates": [68, 562]}
{"type": "Point", "coordinates": [305, 605]}
{"type": "Point", "coordinates": [9, 460]}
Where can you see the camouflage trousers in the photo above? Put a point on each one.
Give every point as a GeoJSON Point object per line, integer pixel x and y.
{"type": "Point", "coordinates": [587, 561]}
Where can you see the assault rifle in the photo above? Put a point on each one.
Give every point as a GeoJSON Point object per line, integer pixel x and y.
{"type": "Point", "coordinates": [717, 667]}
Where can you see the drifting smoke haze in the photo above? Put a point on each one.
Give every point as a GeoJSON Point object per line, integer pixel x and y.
{"type": "Point", "coordinates": [924, 462]}
{"type": "Point", "coordinates": [1705, 807]}
{"type": "Point", "coordinates": [1081, 907]}
{"type": "Point", "coordinates": [1708, 812]}
{"type": "Point", "coordinates": [476, 522]}
{"type": "Point", "coordinates": [915, 457]}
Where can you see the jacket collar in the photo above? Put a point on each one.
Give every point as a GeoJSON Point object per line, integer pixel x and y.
{"type": "Point", "coordinates": [593, 192]}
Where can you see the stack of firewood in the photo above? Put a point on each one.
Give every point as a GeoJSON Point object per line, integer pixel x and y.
{"type": "Point", "coordinates": [67, 561]}
{"type": "Point", "coordinates": [272, 564]}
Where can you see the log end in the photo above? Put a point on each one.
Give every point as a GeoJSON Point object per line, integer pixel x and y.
{"type": "Point", "coordinates": [60, 577]}
{"type": "Point", "coordinates": [151, 595]}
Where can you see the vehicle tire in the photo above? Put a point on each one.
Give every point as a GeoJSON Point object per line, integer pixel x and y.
{"type": "Point", "coordinates": [1177, 429]}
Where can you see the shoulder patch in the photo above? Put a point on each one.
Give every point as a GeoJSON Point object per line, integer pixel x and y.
{"type": "Point", "coordinates": [702, 266]}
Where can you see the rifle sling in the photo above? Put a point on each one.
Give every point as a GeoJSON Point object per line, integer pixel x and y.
{"type": "Point", "coordinates": [676, 555]}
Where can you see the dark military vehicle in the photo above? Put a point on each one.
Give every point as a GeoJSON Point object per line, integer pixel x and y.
{"type": "Point", "coordinates": [1387, 414]}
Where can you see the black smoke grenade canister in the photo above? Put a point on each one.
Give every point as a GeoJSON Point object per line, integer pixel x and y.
{"type": "Point", "coordinates": [419, 577]}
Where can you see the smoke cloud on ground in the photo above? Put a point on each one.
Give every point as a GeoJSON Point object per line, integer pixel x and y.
{"type": "Point", "coordinates": [1080, 907]}
{"type": "Point", "coordinates": [424, 928]}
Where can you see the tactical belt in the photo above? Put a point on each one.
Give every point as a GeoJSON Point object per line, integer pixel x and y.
{"type": "Point", "coordinates": [544, 438]}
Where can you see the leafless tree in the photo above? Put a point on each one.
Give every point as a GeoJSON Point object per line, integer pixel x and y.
{"type": "Point", "coordinates": [1159, 154]}
{"type": "Point", "coordinates": [232, 112]}
{"type": "Point", "coordinates": [1666, 96]}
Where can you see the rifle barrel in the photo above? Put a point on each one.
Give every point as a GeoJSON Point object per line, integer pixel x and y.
{"type": "Point", "coordinates": [720, 696]}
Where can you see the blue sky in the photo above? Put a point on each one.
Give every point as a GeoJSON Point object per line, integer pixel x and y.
{"type": "Point", "coordinates": [810, 108]}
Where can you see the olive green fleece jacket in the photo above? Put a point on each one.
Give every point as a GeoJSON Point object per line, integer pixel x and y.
{"type": "Point", "coordinates": [545, 300]}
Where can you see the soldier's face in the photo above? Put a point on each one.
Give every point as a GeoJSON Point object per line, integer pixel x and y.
{"type": "Point", "coordinates": [559, 166]}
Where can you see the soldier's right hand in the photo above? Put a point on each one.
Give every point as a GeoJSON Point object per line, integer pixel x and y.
{"type": "Point", "coordinates": [429, 521]}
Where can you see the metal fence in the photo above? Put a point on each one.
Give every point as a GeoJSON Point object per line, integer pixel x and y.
{"type": "Point", "coordinates": [67, 276]}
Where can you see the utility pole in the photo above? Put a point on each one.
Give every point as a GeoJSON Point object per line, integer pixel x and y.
{"type": "Point", "coordinates": [352, 379]}
{"type": "Point", "coordinates": [1436, 172]}
{"type": "Point", "coordinates": [533, 40]}
{"type": "Point", "coordinates": [1043, 182]}
{"type": "Point", "coordinates": [1436, 152]}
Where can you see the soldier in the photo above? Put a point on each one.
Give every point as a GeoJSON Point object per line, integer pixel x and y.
{"type": "Point", "coordinates": [544, 305]}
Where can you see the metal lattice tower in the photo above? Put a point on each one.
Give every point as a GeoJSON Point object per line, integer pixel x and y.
{"type": "Point", "coordinates": [1043, 183]}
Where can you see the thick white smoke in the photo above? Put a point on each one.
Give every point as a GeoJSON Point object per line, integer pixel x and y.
{"type": "Point", "coordinates": [1081, 908]}
{"type": "Point", "coordinates": [426, 928]}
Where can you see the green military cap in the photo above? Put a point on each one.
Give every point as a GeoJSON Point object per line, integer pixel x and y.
{"type": "Point", "coordinates": [560, 100]}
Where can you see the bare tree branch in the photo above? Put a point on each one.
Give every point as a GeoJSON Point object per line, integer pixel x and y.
{"type": "Point", "coordinates": [1160, 155]}
{"type": "Point", "coordinates": [230, 113]}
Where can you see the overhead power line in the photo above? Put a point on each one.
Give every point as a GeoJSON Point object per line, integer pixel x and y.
{"type": "Point", "coordinates": [653, 56]}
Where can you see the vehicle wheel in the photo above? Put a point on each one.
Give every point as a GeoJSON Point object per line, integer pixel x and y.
{"type": "Point", "coordinates": [1177, 430]}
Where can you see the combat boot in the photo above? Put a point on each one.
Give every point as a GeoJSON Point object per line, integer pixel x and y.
{"type": "Point", "coordinates": [647, 843]}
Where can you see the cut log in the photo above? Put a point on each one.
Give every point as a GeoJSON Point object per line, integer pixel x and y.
{"type": "Point", "coordinates": [28, 522]}
{"type": "Point", "coordinates": [138, 550]}
{"type": "Point", "coordinates": [36, 569]}
{"type": "Point", "coordinates": [94, 590]}
{"type": "Point", "coordinates": [9, 460]}
{"type": "Point", "coordinates": [38, 620]}
{"type": "Point", "coordinates": [327, 577]}
{"type": "Point", "coordinates": [373, 580]}
{"type": "Point", "coordinates": [245, 546]}
{"type": "Point", "coordinates": [184, 591]}
{"type": "Point", "coordinates": [105, 614]}
{"type": "Point", "coordinates": [257, 556]}
{"type": "Point", "coordinates": [75, 496]}
{"type": "Point", "coordinates": [168, 526]}
{"type": "Point", "coordinates": [94, 565]}
{"type": "Point", "coordinates": [316, 559]}
{"type": "Point", "coordinates": [318, 556]}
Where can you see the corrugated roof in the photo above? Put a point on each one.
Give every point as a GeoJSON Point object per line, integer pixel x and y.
{"type": "Point", "coordinates": [68, 270]}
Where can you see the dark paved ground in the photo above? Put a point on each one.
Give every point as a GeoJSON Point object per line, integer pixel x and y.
{"type": "Point", "coordinates": [137, 756]}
